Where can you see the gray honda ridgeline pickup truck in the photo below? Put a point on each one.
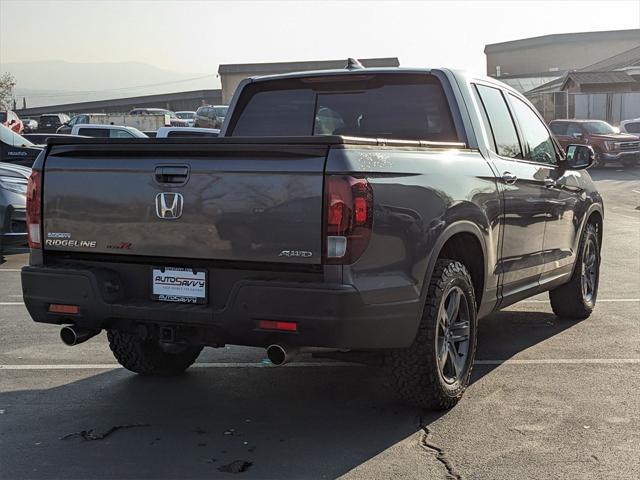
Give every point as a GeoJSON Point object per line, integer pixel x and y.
{"type": "Point", "coordinates": [364, 212]}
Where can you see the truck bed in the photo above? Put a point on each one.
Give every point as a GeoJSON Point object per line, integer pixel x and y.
{"type": "Point", "coordinates": [235, 199]}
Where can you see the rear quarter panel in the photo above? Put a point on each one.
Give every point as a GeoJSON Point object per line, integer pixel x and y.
{"type": "Point", "coordinates": [419, 195]}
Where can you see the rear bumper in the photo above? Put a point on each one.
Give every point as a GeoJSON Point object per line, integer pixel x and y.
{"type": "Point", "coordinates": [327, 315]}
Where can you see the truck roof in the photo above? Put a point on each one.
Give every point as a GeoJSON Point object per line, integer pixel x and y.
{"type": "Point", "coordinates": [460, 74]}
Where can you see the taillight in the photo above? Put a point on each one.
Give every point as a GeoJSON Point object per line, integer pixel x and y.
{"type": "Point", "coordinates": [34, 191]}
{"type": "Point", "coordinates": [349, 217]}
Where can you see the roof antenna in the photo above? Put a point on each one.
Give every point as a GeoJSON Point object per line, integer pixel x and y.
{"type": "Point", "coordinates": [353, 64]}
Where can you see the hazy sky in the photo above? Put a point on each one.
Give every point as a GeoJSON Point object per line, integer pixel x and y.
{"type": "Point", "coordinates": [195, 36]}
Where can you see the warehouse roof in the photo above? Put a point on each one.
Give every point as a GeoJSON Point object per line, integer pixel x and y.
{"type": "Point", "coordinates": [596, 78]}
{"type": "Point", "coordinates": [563, 38]}
{"type": "Point", "coordinates": [628, 58]}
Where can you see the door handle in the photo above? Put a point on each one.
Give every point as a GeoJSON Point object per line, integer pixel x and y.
{"type": "Point", "coordinates": [509, 178]}
{"type": "Point", "coordinates": [550, 183]}
{"type": "Point", "coordinates": [172, 174]}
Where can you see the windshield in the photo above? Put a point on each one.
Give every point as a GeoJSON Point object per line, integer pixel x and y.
{"type": "Point", "coordinates": [599, 128]}
{"type": "Point", "coordinates": [11, 138]}
{"type": "Point", "coordinates": [185, 115]}
{"type": "Point", "coordinates": [407, 106]}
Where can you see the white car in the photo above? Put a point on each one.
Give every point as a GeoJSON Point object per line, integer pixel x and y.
{"type": "Point", "coordinates": [630, 126]}
{"type": "Point", "coordinates": [165, 132]}
{"type": "Point", "coordinates": [188, 115]}
{"type": "Point", "coordinates": [107, 131]}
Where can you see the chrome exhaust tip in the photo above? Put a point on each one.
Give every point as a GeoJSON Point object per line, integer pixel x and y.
{"type": "Point", "coordinates": [72, 335]}
{"type": "Point", "coordinates": [281, 354]}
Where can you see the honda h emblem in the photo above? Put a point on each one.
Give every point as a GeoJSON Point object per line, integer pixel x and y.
{"type": "Point", "coordinates": [169, 205]}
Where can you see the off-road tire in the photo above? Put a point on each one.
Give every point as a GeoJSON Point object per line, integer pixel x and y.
{"type": "Point", "coordinates": [567, 301]}
{"type": "Point", "coordinates": [147, 357]}
{"type": "Point", "coordinates": [414, 371]}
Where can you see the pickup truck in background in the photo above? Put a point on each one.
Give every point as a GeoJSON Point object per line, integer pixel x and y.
{"type": "Point", "coordinates": [142, 122]}
{"type": "Point", "coordinates": [107, 131]}
{"type": "Point", "coordinates": [609, 145]}
{"type": "Point", "coordinates": [356, 212]}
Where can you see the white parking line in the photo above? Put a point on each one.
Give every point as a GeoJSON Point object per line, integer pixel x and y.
{"type": "Point", "coordinates": [539, 361]}
{"type": "Point", "coordinates": [603, 300]}
{"type": "Point", "coordinates": [113, 366]}
{"type": "Point", "coordinates": [10, 270]}
{"type": "Point", "coordinates": [561, 361]}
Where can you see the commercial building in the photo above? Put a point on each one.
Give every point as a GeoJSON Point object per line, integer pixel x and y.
{"type": "Point", "coordinates": [171, 101]}
{"type": "Point", "coordinates": [232, 74]}
{"type": "Point", "coordinates": [527, 63]}
{"type": "Point", "coordinates": [575, 75]}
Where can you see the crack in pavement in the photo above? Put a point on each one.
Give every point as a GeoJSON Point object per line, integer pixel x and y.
{"type": "Point", "coordinates": [441, 456]}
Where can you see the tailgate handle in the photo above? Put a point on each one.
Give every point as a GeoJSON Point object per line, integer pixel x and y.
{"type": "Point", "coordinates": [173, 174]}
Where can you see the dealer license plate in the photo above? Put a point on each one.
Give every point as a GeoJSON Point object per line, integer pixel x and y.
{"type": "Point", "coordinates": [183, 285]}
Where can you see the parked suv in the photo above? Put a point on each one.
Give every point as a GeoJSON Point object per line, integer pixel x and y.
{"type": "Point", "coordinates": [49, 123]}
{"type": "Point", "coordinates": [609, 145]}
{"type": "Point", "coordinates": [210, 116]}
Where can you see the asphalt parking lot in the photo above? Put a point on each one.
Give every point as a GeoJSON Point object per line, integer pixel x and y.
{"type": "Point", "coordinates": [550, 398]}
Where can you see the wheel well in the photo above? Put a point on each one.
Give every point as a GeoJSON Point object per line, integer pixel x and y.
{"type": "Point", "coordinates": [466, 248]}
{"type": "Point", "coordinates": [596, 220]}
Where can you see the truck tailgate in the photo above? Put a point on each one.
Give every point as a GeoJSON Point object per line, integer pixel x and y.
{"type": "Point", "coordinates": [227, 201]}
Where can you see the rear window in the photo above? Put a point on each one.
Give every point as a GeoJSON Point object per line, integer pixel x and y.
{"type": "Point", "coordinates": [383, 105]}
{"type": "Point", "coordinates": [50, 119]}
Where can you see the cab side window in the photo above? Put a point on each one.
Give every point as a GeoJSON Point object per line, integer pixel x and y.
{"type": "Point", "coordinates": [505, 137]}
{"type": "Point", "coordinates": [538, 144]}
{"type": "Point", "coordinates": [114, 133]}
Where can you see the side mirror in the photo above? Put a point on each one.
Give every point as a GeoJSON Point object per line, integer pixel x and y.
{"type": "Point", "coordinates": [579, 157]}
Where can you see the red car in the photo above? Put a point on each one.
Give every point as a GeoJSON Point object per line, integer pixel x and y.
{"type": "Point", "coordinates": [10, 120]}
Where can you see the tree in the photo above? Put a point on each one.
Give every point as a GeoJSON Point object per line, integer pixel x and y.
{"type": "Point", "coordinates": [7, 82]}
